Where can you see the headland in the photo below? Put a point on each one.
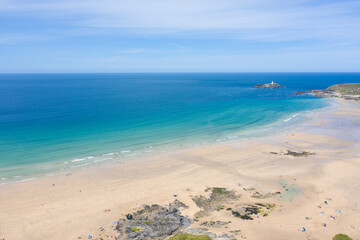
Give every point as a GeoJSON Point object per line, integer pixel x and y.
{"type": "Point", "coordinates": [347, 91]}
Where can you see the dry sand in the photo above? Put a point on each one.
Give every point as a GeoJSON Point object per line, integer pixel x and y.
{"type": "Point", "coordinates": [73, 206]}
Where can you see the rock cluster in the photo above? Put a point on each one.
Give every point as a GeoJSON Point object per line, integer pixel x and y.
{"type": "Point", "coordinates": [249, 211]}
{"type": "Point", "coordinates": [214, 224]}
{"type": "Point", "coordinates": [153, 222]}
{"type": "Point", "coordinates": [298, 154]}
{"type": "Point", "coordinates": [214, 201]}
{"type": "Point", "coordinates": [348, 91]}
{"type": "Point", "coordinates": [265, 195]}
{"type": "Point", "coordinates": [204, 231]}
{"type": "Point", "coordinates": [268, 85]}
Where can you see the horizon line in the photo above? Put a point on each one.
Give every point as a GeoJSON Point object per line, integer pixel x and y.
{"type": "Point", "coordinates": [175, 72]}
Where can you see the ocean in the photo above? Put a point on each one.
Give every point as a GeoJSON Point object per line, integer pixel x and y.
{"type": "Point", "coordinates": [51, 123]}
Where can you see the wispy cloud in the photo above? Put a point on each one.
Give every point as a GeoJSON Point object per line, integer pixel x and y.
{"type": "Point", "coordinates": [178, 46]}
{"type": "Point", "coordinates": [263, 20]}
{"type": "Point", "coordinates": [181, 34]}
{"type": "Point", "coordinates": [13, 38]}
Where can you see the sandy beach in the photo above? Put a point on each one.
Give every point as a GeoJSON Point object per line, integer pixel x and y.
{"type": "Point", "coordinates": [75, 205]}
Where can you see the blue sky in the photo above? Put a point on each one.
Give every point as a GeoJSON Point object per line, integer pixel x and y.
{"type": "Point", "coordinates": [179, 36]}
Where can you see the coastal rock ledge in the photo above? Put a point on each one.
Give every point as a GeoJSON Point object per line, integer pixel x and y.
{"type": "Point", "coordinates": [268, 85]}
{"type": "Point", "coordinates": [347, 91]}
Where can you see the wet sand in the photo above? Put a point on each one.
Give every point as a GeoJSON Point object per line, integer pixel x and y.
{"type": "Point", "coordinates": [72, 206]}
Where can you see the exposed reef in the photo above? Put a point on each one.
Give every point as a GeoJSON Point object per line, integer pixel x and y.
{"type": "Point", "coordinates": [214, 202]}
{"type": "Point", "coordinates": [167, 222]}
{"type": "Point", "coordinates": [153, 222]}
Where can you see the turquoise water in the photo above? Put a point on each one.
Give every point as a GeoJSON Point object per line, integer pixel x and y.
{"type": "Point", "coordinates": [52, 122]}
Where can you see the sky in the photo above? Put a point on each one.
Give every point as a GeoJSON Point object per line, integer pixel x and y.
{"type": "Point", "coordinates": [52, 36]}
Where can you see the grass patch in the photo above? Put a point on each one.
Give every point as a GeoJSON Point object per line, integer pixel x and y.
{"type": "Point", "coordinates": [347, 88]}
{"type": "Point", "coordinates": [218, 191]}
{"type": "Point", "coordinates": [187, 236]}
{"type": "Point", "coordinates": [136, 229]}
{"type": "Point", "coordinates": [341, 236]}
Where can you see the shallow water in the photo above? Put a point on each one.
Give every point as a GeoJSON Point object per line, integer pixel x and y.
{"type": "Point", "coordinates": [289, 191]}
{"type": "Point", "coordinates": [50, 122]}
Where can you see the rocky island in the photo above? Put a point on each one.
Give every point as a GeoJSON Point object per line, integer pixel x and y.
{"type": "Point", "coordinates": [347, 91]}
{"type": "Point", "coordinates": [268, 85]}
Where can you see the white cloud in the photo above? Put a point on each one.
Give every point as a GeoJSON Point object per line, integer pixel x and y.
{"type": "Point", "coordinates": [263, 20]}
{"type": "Point", "coordinates": [11, 38]}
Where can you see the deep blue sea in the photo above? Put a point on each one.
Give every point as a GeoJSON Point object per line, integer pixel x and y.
{"type": "Point", "coordinates": [54, 122]}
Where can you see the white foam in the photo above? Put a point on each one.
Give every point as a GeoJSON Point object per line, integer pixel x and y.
{"type": "Point", "coordinates": [232, 137]}
{"type": "Point", "coordinates": [78, 159]}
{"type": "Point", "coordinates": [81, 165]}
{"type": "Point", "coordinates": [102, 159]}
{"type": "Point", "coordinates": [220, 139]}
{"type": "Point", "coordinates": [293, 116]}
{"type": "Point", "coordinates": [22, 180]}
{"type": "Point", "coordinates": [82, 159]}
{"type": "Point", "coordinates": [108, 154]}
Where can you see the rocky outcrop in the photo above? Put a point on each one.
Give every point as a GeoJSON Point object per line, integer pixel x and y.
{"type": "Point", "coordinates": [213, 202]}
{"type": "Point", "coordinates": [156, 222]}
{"type": "Point", "coordinates": [268, 85]}
{"type": "Point", "coordinates": [204, 231]}
{"type": "Point", "coordinates": [320, 93]}
{"type": "Point", "coordinates": [153, 222]}
{"type": "Point", "coordinates": [298, 154]}
{"type": "Point", "coordinates": [348, 91]}
{"type": "Point", "coordinates": [214, 224]}
{"type": "Point", "coordinates": [249, 211]}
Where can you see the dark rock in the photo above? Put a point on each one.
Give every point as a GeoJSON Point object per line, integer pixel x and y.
{"type": "Point", "coordinates": [247, 211]}
{"type": "Point", "coordinates": [225, 236]}
{"type": "Point", "coordinates": [242, 216]}
{"type": "Point", "coordinates": [266, 195]}
{"type": "Point", "coordinates": [203, 231]}
{"type": "Point", "coordinates": [300, 93]}
{"type": "Point", "coordinates": [214, 224]}
{"type": "Point", "coordinates": [268, 85]}
{"type": "Point", "coordinates": [236, 232]}
{"type": "Point", "coordinates": [298, 154]}
{"type": "Point", "coordinates": [177, 204]}
{"type": "Point", "coordinates": [199, 231]}
{"type": "Point", "coordinates": [153, 222]}
{"type": "Point", "coordinates": [214, 201]}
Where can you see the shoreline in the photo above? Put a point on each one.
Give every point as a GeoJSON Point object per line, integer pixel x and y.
{"type": "Point", "coordinates": [72, 206]}
{"type": "Point", "coordinates": [279, 126]}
